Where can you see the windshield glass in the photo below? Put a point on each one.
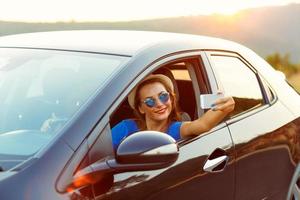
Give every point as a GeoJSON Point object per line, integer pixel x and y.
{"type": "Point", "coordinates": [40, 90]}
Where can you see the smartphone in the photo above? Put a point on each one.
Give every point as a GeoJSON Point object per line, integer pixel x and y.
{"type": "Point", "coordinates": [206, 100]}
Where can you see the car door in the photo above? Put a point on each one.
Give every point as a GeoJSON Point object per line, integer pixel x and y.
{"type": "Point", "coordinates": [260, 127]}
{"type": "Point", "coordinates": [204, 168]}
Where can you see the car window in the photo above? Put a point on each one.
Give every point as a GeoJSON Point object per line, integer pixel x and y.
{"type": "Point", "coordinates": [239, 81]}
{"type": "Point", "coordinates": [179, 74]}
{"type": "Point", "coordinates": [40, 91]}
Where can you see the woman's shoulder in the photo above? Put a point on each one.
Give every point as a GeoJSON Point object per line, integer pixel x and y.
{"type": "Point", "coordinates": [129, 124]}
{"type": "Point", "coordinates": [174, 129]}
{"type": "Point", "coordinates": [175, 123]}
{"type": "Point", "coordinates": [175, 126]}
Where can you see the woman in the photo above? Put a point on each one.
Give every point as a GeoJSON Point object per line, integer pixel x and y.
{"type": "Point", "coordinates": [154, 104]}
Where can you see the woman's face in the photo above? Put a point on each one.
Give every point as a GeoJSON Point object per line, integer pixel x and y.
{"type": "Point", "coordinates": [161, 110]}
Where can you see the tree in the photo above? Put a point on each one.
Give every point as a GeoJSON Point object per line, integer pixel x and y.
{"type": "Point", "coordinates": [282, 63]}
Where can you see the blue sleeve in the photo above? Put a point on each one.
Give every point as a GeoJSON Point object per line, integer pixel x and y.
{"type": "Point", "coordinates": [122, 130]}
{"type": "Point", "coordinates": [174, 130]}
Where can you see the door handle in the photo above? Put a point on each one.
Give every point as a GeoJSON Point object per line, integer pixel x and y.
{"type": "Point", "coordinates": [215, 164]}
{"type": "Point", "coordinates": [217, 161]}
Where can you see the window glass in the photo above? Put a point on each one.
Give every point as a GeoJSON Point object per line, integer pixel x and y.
{"type": "Point", "coordinates": [238, 81]}
{"type": "Point", "coordinates": [40, 90]}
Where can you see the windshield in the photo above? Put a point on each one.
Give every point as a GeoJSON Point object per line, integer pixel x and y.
{"type": "Point", "coordinates": [40, 90]}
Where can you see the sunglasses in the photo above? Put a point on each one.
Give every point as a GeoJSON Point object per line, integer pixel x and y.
{"type": "Point", "coordinates": [163, 98]}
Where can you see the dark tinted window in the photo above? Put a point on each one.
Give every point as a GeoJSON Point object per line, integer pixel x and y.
{"type": "Point", "coordinates": [238, 81]}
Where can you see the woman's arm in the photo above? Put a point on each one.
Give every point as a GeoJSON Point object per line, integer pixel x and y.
{"type": "Point", "coordinates": [211, 118]}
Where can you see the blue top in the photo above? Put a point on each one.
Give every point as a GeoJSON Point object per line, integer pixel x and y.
{"type": "Point", "coordinates": [129, 126]}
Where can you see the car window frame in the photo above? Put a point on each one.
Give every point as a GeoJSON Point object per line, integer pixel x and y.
{"type": "Point", "coordinates": [82, 156]}
{"type": "Point", "coordinates": [272, 96]}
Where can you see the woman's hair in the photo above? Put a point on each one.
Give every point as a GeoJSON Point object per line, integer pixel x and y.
{"type": "Point", "coordinates": [141, 121]}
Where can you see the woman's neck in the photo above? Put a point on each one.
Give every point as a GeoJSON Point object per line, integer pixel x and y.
{"type": "Point", "coordinates": [161, 126]}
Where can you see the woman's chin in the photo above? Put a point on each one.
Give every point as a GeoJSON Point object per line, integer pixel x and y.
{"type": "Point", "coordinates": [161, 117]}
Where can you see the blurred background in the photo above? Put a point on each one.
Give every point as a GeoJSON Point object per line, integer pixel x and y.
{"type": "Point", "coordinates": [271, 27]}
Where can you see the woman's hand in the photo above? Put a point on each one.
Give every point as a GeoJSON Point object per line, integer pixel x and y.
{"type": "Point", "coordinates": [211, 118]}
{"type": "Point", "coordinates": [224, 104]}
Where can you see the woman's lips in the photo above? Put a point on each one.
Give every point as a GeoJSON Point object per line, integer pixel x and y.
{"type": "Point", "coordinates": [161, 111]}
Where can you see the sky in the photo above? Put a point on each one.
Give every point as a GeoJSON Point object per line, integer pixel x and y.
{"type": "Point", "coordinates": [121, 10]}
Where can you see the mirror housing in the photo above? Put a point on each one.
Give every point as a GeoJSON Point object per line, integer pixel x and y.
{"type": "Point", "coordinates": [141, 151]}
{"type": "Point", "coordinates": [147, 147]}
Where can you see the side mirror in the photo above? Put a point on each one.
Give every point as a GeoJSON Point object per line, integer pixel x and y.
{"type": "Point", "coordinates": [144, 150]}
{"type": "Point", "coordinates": [147, 147]}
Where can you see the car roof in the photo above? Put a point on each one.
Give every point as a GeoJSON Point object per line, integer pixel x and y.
{"type": "Point", "coordinates": [120, 42]}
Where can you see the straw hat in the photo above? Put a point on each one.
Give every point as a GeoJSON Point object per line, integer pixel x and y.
{"type": "Point", "coordinates": [166, 80]}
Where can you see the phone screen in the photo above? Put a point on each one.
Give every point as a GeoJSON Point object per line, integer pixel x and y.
{"type": "Point", "coordinates": [206, 100]}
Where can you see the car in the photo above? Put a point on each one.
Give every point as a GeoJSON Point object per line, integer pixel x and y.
{"type": "Point", "coordinates": [61, 93]}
